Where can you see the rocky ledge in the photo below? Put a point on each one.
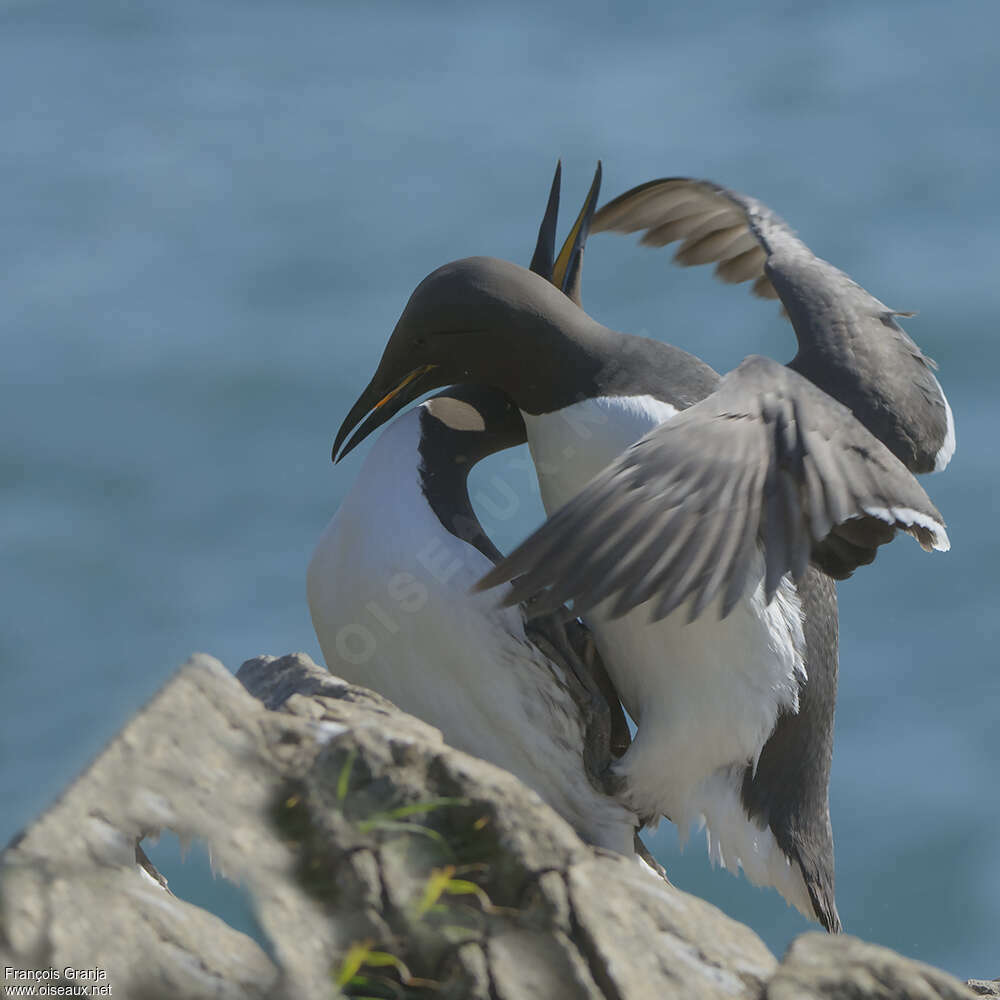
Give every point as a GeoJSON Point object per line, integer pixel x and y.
{"type": "Point", "coordinates": [381, 862]}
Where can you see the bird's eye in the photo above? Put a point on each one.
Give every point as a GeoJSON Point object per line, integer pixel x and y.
{"type": "Point", "coordinates": [420, 343]}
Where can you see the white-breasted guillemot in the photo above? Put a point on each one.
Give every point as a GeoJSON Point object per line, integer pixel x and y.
{"type": "Point", "coordinates": [389, 589]}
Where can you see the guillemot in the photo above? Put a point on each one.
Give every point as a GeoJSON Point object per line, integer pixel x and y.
{"type": "Point", "coordinates": [389, 592]}
{"type": "Point", "coordinates": [706, 695]}
{"type": "Point", "coordinates": [388, 588]}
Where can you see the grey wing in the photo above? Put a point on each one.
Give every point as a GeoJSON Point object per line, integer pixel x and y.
{"type": "Point", "coordinates": [768, 461]}
{"type": "Point", "coordinates": [850, 343]}
{"type": "Point", "coordinates": [747, 241]}
{"type": "Point", "coordinates": [712, 223]}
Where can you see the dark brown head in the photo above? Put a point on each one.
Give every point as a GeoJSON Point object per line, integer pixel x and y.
{"type": "Point", "coordinates": [479, 320]}
{"type": "Point", "coordinates": [486, 321]}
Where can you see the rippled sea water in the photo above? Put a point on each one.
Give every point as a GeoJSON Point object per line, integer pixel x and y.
{"type": "Point", "coordinates": [212, 215]}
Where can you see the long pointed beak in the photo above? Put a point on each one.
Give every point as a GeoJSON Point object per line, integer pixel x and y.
{"type": "Point", "coordinates": [566, 269]}
{"type": "Point", "coordinates": [383, 405]}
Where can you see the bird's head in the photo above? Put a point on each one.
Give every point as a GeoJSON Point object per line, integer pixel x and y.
{"type": "Point", "coordinates": [480, 320]}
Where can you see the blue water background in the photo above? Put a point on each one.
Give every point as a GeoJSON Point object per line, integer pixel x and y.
{"type": "Point", "coordinates": [212, 214]}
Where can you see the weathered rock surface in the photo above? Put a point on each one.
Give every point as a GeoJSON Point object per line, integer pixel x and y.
{"type": "Point", "coordinates": [818, 966]}
{"type": "Point", "coordinates": [374, 854]}
{"type": "Point", "coordinates": [985, 987]}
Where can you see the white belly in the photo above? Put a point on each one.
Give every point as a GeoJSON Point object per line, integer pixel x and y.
{"type": "Point", "coordinates": [705, 696]}
{"type": "Point", "coordinates": [388, 590]}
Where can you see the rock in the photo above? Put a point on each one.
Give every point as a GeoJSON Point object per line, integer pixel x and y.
{"type": "Point", "coordinates": [823, 967]}
{"type": "Point", "coordinates": [984, 987]}
{"type": "Point", "coordinates": [555, 917]}
{"type": "Point", "coordinates": [642, 932]}
{"type": "Point", "coordinates": [374, 854]}
{"type": "Point", "coordinates": [195, 760]}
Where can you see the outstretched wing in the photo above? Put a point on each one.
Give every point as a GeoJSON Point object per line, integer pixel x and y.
{"type": "Point", "coordinates": [713, 224]}
{"type": "Point", "coordinates": [766, 460]}
{"type": "Point", "coordinates": [743, 237]}
{"type": "Point", "coordinates": [850, 343]}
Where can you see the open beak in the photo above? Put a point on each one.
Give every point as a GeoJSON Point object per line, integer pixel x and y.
{"type": "Point", "coordinates": [383, 406]}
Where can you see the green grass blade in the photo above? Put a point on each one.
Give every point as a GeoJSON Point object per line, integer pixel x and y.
{"type": "Point", "coordinates": [344, 780]}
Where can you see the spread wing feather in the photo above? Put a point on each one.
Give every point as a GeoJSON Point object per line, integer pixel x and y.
{"type": "Point", "coordinates": [768, 461]}
{"type": "Point", "coordinates": [891, 385]}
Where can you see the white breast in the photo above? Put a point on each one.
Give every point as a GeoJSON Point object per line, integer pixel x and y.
{"type": "Point", "coordinates": [569, 447]}
{"type": "Point", "coordinates": [705, 696]}
{"type": "Point", "coordinates": [388, 590]}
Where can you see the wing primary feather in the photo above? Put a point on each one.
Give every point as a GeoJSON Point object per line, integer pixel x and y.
{"type": "Point", "coordinates": [658, 575]}
{"type": "Point", "coordinates": [763, 288]}
{"type": "Point", "coordinates": [618, 564]}
{"type": "Point", "coordinates": [715, 528]}
{"type": "Point", "coordinates": [677, 228]}
{"type": "Point", "coordinates": [739, 574]}
{"type": "Point", "coordinates": [717, 531]}
{"type": "Point", "coordinates": [743, 267]}
{"type": "Point", "coordinates": [731, 538]}
{"type": "Point", "coordinates": [776, 554]}
{"type": "Point", "coordinates": [677, 582]}
{"type": "Point", "coordinates": [838, 501]}
{"type": "Point", "coordinates": [535, 550]}
{"type": "Point", "coordinates": [661, 548]}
